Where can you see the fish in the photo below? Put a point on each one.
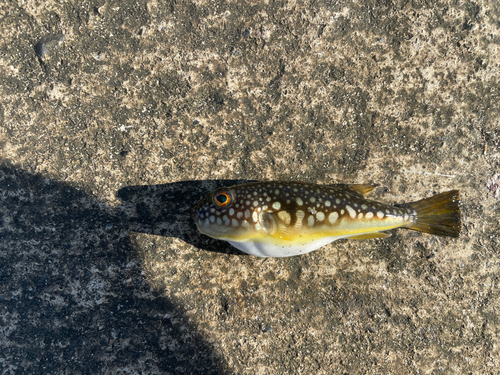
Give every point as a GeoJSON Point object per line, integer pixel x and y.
{"type": "Point", "coordinates": [283, 219]}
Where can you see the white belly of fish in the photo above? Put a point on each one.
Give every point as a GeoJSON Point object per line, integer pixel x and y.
{"type": "Point", "coordinates": [269, 249]}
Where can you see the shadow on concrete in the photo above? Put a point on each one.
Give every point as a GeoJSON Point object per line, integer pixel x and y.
{"type": "Point", "coordinates": [72, 295]}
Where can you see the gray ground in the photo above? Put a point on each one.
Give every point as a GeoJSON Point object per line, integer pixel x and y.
{"type": "Point", "coordinates": [117, 116]}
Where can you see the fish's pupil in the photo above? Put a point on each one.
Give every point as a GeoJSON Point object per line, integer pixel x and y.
{"type": "Point", "coordinates": [221, 198]}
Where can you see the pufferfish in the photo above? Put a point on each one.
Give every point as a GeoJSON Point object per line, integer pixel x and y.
{"type": "Point", "coordinates": [282, 219]}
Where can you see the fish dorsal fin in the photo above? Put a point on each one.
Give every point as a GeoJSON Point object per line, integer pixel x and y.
{"type": "Point", "coordinates": [363, 189]}
{"type": "Point", "coordinates": [360, 189]}
{"type": "Point", "coordinates": [367, 236]}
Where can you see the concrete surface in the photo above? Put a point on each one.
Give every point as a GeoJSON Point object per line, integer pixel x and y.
{"type": "Point", "coordinates": [117, 116]}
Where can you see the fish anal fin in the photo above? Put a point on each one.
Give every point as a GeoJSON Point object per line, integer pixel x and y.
{"type": "Point", "coordinates": [363, 189]}
{"type": "Point", "coordinates": [367, 236]}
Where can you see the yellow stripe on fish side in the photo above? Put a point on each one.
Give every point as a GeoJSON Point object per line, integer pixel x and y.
{"type": "Point", "coordinates": [287, 234]}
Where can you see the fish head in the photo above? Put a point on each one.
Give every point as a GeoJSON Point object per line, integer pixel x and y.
{"type": "Point", "coordinates": [220, 215]}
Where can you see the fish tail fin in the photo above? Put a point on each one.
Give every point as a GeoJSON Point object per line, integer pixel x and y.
{"type": "Point", "coordinates": [439, 215]}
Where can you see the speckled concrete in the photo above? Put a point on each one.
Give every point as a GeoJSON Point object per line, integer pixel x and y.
{"type": "Point", "coordinates": [117, 116]}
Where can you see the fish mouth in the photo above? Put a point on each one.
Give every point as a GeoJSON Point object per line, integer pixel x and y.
{"type": "Point", "coordinates": [196, 209]}
{"type": "Point", "coordinates": [194, 213]}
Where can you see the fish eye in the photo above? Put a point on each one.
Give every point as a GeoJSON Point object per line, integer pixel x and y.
{"type": "Point", "coordinates": [222, 198]}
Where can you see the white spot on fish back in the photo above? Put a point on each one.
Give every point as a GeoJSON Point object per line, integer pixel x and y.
{"type": "Point", "coordinates": [310, 220]}
{"type": "Point", "coordinates": [247, 214]}
{"type": "Point", "coordinates": [406, 217]}
{"type": "Point", "coordinates": [255, 217]}
{"type": "Point", "coordinates": [369, 215]}
{"type": "Point", "coordinates": [320, 216]}
{"type": "Point", "coordinates": [285, 217]}
{"type": "Point", "coordinates": [327, 204]}
{"type": "Point", "coordinates": [276, 205]}
{"type": "Point", "coordinates": [299, 201]}
{"type": "Point", "coordinates": [239, 215]}
{"type": "Point", "coordinates": [212, 219]}
{"type": "Point", "coordinates": [364, 206]}
{"type": "Point", "coordinates": [219, 221]}
{"type": "Point", "coordinates": [332, 218]}
{"type": "Point", "coordinates": [342, 211]}
{"type": "Point", "coordinates": [360, 215]}
{"type": "Point", "coordinates": [234, 222]}
{"type": "Point", "coordinates": [231, 211]}
{"type": "Point", "coordinates": [312, 199]}
{"type": "Point", "coordinates": [268, 199]}
{"type": "Point", "coordinates": [276, 192]}
{"type": "Point", "coordinates": [337, 201]}
{"type": "Point", "coordinates": [351, 211]}
{"type": "Point", "coordinates": [380, 214]}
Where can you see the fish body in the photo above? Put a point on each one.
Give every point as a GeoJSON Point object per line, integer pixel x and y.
{"type": "Point", "coordinates": [281, 219]}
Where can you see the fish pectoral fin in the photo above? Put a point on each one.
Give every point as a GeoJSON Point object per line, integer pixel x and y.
{"type": "Point", "coordinates": [269, 222]}
{"type": "Point", "coordinates": [363, 189]}
{"type": "Point", "coordinates": [367, 236]}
